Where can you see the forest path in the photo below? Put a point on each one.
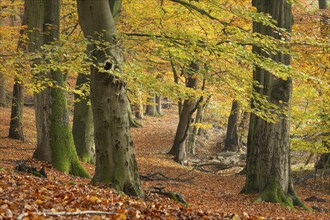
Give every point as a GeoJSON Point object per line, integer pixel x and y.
{"type": "Point", "coordinates": [206, 191]}
{"type": "Point", "coordinates": [210, 191]}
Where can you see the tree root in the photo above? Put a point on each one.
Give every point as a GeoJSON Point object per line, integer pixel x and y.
{"type": "Point", "coordinates": [159, 176]}
{"type": "Point", "coordinates": [274, 193]}
{"type": "Point", "coordinates": [172, 195]}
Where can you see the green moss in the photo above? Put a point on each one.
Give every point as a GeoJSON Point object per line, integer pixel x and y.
{"type": "Point", "coordinates": [64, 155]}
{"type": "Point", "coordinates": [274, 193]}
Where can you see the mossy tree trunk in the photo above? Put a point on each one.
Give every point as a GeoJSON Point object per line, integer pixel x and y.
{"type": "Point", "coordinates": [268, 153]}
{"type": "Point", "coordinates": [83, 127]}
{"type": "Point", "coordinates": [115, 158]}
{"type": "Point", "coordinates": [179, 147]}
{"type": "Point", "coordinates": [54, 138]}
{"type": "Point", "coordinates": [232, 141]}
{"type": "Point", "coordinates": [16, 117]}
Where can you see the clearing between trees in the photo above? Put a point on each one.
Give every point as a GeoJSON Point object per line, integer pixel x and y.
{"type": "Point", "coordinates": [210, 195]}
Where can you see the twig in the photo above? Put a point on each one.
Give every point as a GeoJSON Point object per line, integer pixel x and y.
{"type": "Point", "coordinates": [23, 215]}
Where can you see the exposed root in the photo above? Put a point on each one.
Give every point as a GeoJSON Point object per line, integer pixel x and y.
{"type": "Point", "coordinates": [274, 193]}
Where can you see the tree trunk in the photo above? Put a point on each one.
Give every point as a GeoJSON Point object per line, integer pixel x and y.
{"type": "Point", "coordinates": [3, 101]}
{"type": "Point", "coordinates": [115, 159]}
{"type": "Point", "coordinates": [193, 131]}
{"type": "Point", "coordinates": [138, 107]}
{"type": "Point", "coordinates": [179, 144]}
{"type": "Point", "coordinates": [54, 137]}
{"type": "Point", "coordinates": [322, 4]}
{"type": "Point", "coordinates": [268, 153]}
{"type": "Point", "coordinates": [83, 127]}
{"type": "Point", "coordinates": [176, 80]}
{"type": "Point", "coordinates": [324, 160]}
{"type": "Point", "coordinates": [159, 105]}
{"type": "Point", "coordinates": [231, 141]}
{"type": "Point", "coordinates": [16, 118]}
{"type": "Point", "coordinates": [151, 106]}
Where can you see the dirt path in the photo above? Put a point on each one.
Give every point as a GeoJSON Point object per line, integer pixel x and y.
{"type": "Point", "coordinates": [216, 192]}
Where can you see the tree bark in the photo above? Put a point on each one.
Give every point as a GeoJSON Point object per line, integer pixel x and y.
{"type": "Point", "coordinates": [138, 107]}
{"type": "Point", "coordinates": [193, 131]}
{"type": "Point", "coordinates": [16, 118]}
{"type": "Point", "coordinates": [322, 4]}
{"type": "Point", "coordinates": [324, 160]}
{"type": "Point", "coordinates": [268, 153]}
{"type": "Point", "coordinates": [231, 141]}
{"type": "Point", "coordinates": [3, 101]}
{"type": "Point", "coordinates": [176, 80]}
{"type": "Point", "coordinates": [179, 144]}
{"type": "Point", "coordinates": [159, 105]}
{"type": "Point", "coordinates": [54, 138]}
{"type": "Point", "coordinates": [151, 106]}
{"type": "Point", "coordinates": [83, 127]}
{"type": "Point", "coordinates": [115, 159]}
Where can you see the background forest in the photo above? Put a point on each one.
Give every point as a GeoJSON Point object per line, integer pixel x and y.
{"type": "Point", "coordinates": [225, 102]}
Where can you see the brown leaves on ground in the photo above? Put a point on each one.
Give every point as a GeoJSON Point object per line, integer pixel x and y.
{"type": "Point", "coordinates": [210, 195]}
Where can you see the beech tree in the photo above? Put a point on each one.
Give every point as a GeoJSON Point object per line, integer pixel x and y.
{"type": "Point", "coordinates": [179, 147]}
{"type": "Point", "coordinates": [324, 160]}
{"type": "Point", "coordinates": [54, 138]}
{"type": "Point", "coordinates": [268, 150]}
{"type": "Point", "coordinates": [3, 101]}
{"type": "Point", "coordinates": [115, 160]}
{"type": "Point", "coordinates": [232, 140]}
{"type": "Point", "coordinates": [83, 127]}
{"type": "Point", "coordinates": [16, 117]}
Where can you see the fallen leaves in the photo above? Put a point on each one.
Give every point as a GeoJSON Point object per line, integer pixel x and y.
{"type": "Point", "coordinates": [61, 196]}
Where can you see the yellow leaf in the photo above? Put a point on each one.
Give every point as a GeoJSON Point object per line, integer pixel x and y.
{"type": "Point", "coordinates": [93, 199]}
{"type": "Point", "coordinates": [39, 202]}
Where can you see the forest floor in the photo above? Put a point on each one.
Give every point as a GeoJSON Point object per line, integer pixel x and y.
{"type": "Point", "coordinates": [210, 195]}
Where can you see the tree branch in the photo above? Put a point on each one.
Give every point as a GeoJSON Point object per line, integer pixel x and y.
{"type": "Point", "coordinates": [23, 215]}
{"type": "Point", "coordinates": [199, 10]}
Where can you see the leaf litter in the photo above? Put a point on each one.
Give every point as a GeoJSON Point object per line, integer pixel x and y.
{"type": "Point", "coordinates": [62, 196]}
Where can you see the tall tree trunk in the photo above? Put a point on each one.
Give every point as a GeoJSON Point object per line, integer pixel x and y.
{"type": "Point", "coordinates": [176, 80]}
{"type": "Point", "coordinates": [115, 158]}
{"type": "Point", "coordinates": [159, 105]}
{"type": "Point", "coordinates": [231, 141]}
{"type": "Point", "coordinates": [83, 127]}
{"type": "Point", "coordinates": [193, 131]}
{"type": "Point", "coordinates": [268, 153]}
{"type": "Point", "coordinates": [138, 107]}
{"type": "Point", "coordinates": [324, 160]}
{"type": "Point", "coordinates": [151, 106]}
{"type": "Point", "coordinates": [54, 137]}
{"type": "Point", "coordinates": [3, 101]}
{"type": "Point", "coordinates": [179, 144]}
{"type": "Point", "coordinates": [16, 118]}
